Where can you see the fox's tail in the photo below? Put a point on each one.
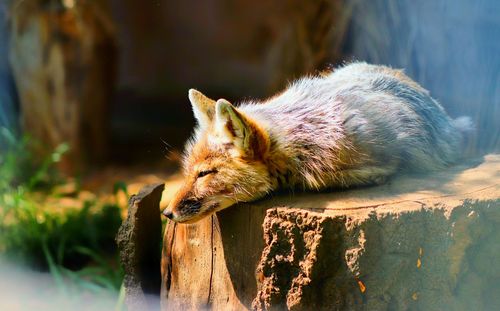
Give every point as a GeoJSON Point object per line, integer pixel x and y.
{"type": "Point", "coordinates": [466, 127]}
{"type": "Point", "coordinates": [464, 124]}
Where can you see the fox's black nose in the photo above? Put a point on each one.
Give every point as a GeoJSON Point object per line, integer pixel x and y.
{"type": "Point", "coordinates": [168, 213]}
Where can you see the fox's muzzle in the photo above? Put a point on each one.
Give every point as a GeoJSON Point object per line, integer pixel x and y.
{"type": "Point", "coordinates": [186, 208]}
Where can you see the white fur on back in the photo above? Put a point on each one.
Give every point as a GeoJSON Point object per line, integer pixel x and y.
{"type": "Point", "coordinates": [363, 111]}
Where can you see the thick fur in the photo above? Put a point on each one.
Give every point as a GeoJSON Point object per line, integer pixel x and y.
{"type": "Point", "coordinates": [357, 125]}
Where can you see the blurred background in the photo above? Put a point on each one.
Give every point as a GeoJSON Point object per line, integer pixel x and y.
{"type": "Point", "coordinates": [93, 98]}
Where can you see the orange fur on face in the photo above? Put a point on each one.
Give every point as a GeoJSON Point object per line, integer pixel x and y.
{"type": "Point", "coordinates": [224, 166]}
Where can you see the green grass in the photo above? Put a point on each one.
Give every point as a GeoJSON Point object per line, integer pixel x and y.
{"type": "Point", "coordinates": [76, 245]}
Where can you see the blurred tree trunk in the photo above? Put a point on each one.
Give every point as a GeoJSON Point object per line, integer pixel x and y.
{"type": "Point", "coordinates": [62, 55]}
{"type": "Point", "coordinates": [308, 37]}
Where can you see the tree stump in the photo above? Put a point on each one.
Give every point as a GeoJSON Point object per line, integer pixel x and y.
{"type": "Point", "coordinates": [139, 241]}
{"type": "Point", "coordinates": [62, 55]}
{"type": "Point", "coordinates": [416, 243]}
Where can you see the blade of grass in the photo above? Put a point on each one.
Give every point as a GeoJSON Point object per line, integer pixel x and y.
{"type": "Point", "coordinates": [54, 270]}
{"type": "Point", "coordinates": [120, 302]}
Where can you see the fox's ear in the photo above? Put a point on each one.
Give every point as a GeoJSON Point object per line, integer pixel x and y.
{"type": "Point", "coordinates": [236, 128]}
{"type": "Point", "coordinates": [203, 107]}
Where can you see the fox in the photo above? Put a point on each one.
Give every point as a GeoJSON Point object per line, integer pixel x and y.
{"type": "Point", "coordinates": [356, 125]}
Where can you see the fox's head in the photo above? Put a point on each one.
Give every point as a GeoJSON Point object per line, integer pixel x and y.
{"type": "Point", "coordinates": [224, 162]}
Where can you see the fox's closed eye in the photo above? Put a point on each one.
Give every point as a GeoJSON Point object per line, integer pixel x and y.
{"type": "Point", "coordinates": [207, 172]}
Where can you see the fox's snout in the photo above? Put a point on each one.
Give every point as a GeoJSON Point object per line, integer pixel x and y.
{"type": "Point", "coordinates": [182, 209]}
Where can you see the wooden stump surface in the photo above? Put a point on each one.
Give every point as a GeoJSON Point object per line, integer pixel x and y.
{"type": "Point", "coordinates": [331, 250]}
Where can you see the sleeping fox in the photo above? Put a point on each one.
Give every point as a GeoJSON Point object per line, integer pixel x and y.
{"type": "Point", "coordinates": [355, 126]}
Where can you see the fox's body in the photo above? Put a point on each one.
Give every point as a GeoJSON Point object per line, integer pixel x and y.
{"type": "Point", "coordinates": [354, 126]}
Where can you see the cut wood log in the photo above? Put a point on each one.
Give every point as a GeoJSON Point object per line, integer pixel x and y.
{"type": "Point", "coordinates": [62, 55]}
{"type": "Point", "coordinates": [416, 243]}
{"type": "Point", "coordinates": [139, 242]}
